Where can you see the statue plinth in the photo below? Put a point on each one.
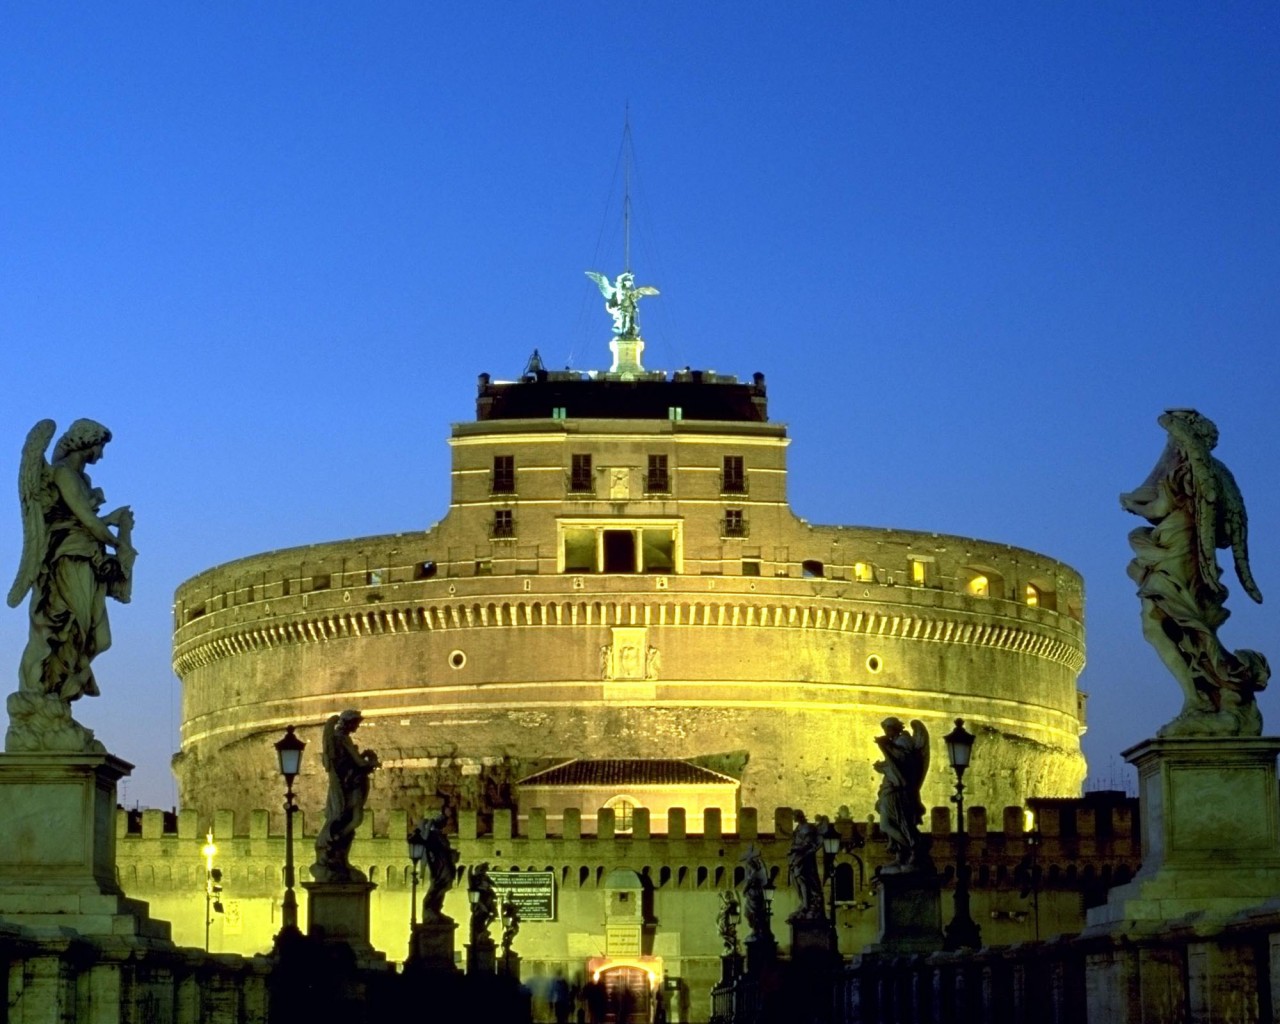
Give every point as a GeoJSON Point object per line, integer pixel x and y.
{"type": "Point", "coordinates": [509, 965]}
{"type": "Point", "coordinates": [762, 951]}
{"type": "Point", "coordinates": [338, 914]}
{"type": "Point", "coordinates": [431, 945]}
{"type": "Point", "coordinates": [812, 940]}
{"type": "Point", "coordinates": [58, 857]}
{"type": "Point", "coordinates": [910, 913]}
{"type": "Point", "coordinates": [1210, 830]}
{"type": "Point", "coordinates": [481, 957]}
{"type": "Point", "coordinates": [627, 352]}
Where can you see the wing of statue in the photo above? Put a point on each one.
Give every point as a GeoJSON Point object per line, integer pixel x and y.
{"type": "Point", "coordinates": [646, 289]}
{"type": "Point", "coordinates": [1205, 497]}
{"type": "Point", "coordinates": [35, 497]}
{"type": "Point", "coordinates": [920, 740]}
{"type": "Point", "coordinates": [1233, 528]}
{"type": "Point", "coordinates": [602, 282]}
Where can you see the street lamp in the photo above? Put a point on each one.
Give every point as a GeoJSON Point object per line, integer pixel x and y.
{"type": "Point", "coordinates": [212, 888]}
{"type": "Point", "coordinates": [417, 853]}
{"type": "Point", "coordinates": [289, 752]}
{"type": "Point", "coordinates": [963, 931]}
{"type": "Point", "coordinates": [831, 842]}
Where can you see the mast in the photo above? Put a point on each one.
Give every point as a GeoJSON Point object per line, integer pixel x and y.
{"type": "Point", "coordinates": [626, 188]}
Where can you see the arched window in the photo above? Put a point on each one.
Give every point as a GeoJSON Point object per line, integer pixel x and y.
{"type": "Point", "coordinates": [811, 568]}
{"type": "Point", "coordinates": [623, 808]}
{"type": "Point", "coordinates": [978, 586]}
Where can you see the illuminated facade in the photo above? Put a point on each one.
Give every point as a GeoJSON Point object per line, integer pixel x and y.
{"type": "Point", "coordinates": [620, 576]}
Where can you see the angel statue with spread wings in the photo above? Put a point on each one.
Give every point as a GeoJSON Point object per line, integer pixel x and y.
{"type": "Point", "coordinates": [905, 764]}
{"type": "Point", "coordinates": [71, 563]}
{"type": "Point", "coordinates": [1195, 508]}
{"type": "Point", "coordinates": [620, 299]}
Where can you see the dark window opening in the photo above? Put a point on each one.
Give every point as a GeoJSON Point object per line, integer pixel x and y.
{"type": "Point", "coordinates": [484, 567]}
{"type": "Point", "coordinates": [735, 525]}
{"type": "Point", "coordinates": [734, 480]}
{"type": "Point", "coordinates": [619, 551]}
{"type": "Point", "coordinates": [750, 567]}
{"type": "Point", "coordinates": [844, 883]}
{"type": "Point", "coordinates": [812, 568]}
{"type": "Point", "coordinates": [504, 523]}
{"type": "Point", "coordinates": [581, 478]}
{"type": "Point", "coordinates": [321, 581]}
{"type": "Point", "coordinates": [424, 570]}
{"type": "Point", "coordinates": [659, 482]}
{"type": "Point", "coordinates": [504, 474]}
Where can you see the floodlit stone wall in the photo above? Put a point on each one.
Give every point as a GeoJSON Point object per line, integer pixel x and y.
{"type": "Point", "coordinates": [768, 648]}
{"type": "Point", "coordinates": [1086, 845]}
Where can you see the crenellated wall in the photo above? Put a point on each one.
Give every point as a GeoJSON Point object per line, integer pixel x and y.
{"type": "Point", "coordinates": [1085, 845]}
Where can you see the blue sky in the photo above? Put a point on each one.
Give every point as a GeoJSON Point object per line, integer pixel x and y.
{"type": "Point", "coordinates": [975, 249]}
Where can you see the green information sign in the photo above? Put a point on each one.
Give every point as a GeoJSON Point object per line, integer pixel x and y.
{"type": "Point", "coordinates": [533, 892]}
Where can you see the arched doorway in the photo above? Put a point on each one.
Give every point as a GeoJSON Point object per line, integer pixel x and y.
{"type": "Point", "coordinates": [626, 991]}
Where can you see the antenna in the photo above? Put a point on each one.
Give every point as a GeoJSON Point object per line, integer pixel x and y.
{"type": "Point", "coordinates": [626, 188]}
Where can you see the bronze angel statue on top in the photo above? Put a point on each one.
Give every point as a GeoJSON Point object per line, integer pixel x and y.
{"type": "Point", "coordinates": [620, 299]}
{"type": "Point", "coordinates": [1195, 508]}
{"type": "Point", "coordinates": [71, 563]}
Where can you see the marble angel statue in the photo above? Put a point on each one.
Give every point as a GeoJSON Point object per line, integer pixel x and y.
{"type": "Point", "coordinates": [72, 561]}
{"type": "Point", "coordinates": [905, 764]}
{"type": "Point", "coordinates": [620, 299]}
{"type": "Point", "coordinates": [1194, 507]}
{"type": "Point", "coordinates": [349, 769]}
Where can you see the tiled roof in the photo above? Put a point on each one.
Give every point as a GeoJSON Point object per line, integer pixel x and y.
{"type": "Point", "coordinates": [629, 772]}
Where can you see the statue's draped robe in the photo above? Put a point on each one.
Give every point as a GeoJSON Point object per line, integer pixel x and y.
{"type": "Point", "coordinates": [69, 625]}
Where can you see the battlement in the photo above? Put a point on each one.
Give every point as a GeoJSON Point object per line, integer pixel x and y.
{"type": "Point", "coordinates": [1092, 837]}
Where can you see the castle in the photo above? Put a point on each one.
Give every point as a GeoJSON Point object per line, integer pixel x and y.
{"type": "Point", "coordinates": [620, 578]}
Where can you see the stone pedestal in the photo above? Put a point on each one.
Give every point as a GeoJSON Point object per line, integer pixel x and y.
{"type": "Point", "coordinates": [431, 946]}
{"type": "Point", "coordinates": [730, 968]}
{"type": "Point", "coordinates": [338, 914]}
{"type": "Point", "coordinates": [481, 958]}
{"type": "Point", "coordinates": [910, 914]}
{"type": "Point", "coordinates": [762, 951]}
{"type": "Point", "coordinates": [58, 855]}
{"type": "Point", "coordinates": [1210, 830]}
{"type": "Point", "coordinates": [812, 940]}
{"type": "Point", "coordinates": [509, 965]}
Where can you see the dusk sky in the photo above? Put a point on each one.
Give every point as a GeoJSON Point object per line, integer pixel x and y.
{"type": "Point", "coordinates": [976, 250]}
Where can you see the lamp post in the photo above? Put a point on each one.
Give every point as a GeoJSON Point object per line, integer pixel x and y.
{"type": "Point", "coordinates": [1033, 846]}
{"type": "Point", "coordinates": [212, 876]}
{"type": "Point", "coordinates": [417, 853]}
{"type": "Point", "coordinates": [831, 842]}
{"type": "Point", "coordinates": [289, 753]}
{"type": "Point", "coordinates": [963, 931]}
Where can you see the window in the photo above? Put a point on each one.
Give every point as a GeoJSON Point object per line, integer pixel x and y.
{"type": "Point", "coordinates": [504, 523]}
{"type": "Point", "coordinates": [623, 808]}
{"type": "Point", "coordinates": [484, 567]}
{"type": "Point", "coordinates": [675, 412]}
{"type": "Point", "coordinates": [658, 482]}
{"type": "Point", "coordinates": [734, 480]}
{"type": "Point", "coordinates": [320, 581]}
{"type": "Point", "coordinates": [558, 413]}
{"type": "Point", "coordinates": [619, 548]}
{"type": "Point", "coordinates": [503, 480]}
{"type": "Point", "coordinates": [734, 523]}
{"type": "Point", "coordinates": [750, 567]}
{"type": "Point", "coordinates": [286, 585]}
{"type": "Point", "coordinates": [812, 569]}
{"type": "Point", "coordinates": [979, 586]}
{"type": "Point", "coordinates": [580, 478]}
{"type": "Point", "coordinates": [1032, 595]}
{"type": "Point", "coordinates": [918, 572]}
{"type": "Point", "coordinates": [424, 570]}
{"type": "Point", "coordinates": [373, 578]}
{"type": "Point", "coordinates": [863, 573]}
